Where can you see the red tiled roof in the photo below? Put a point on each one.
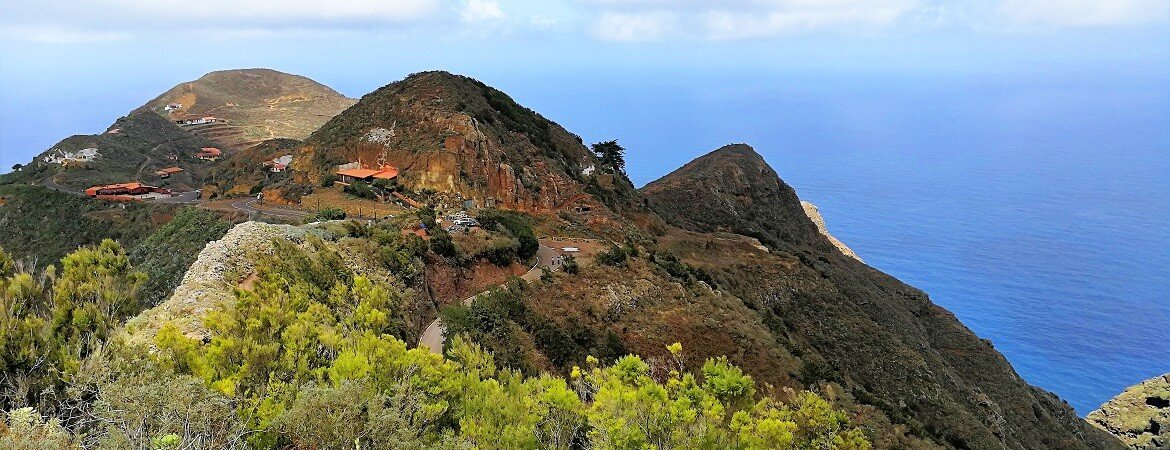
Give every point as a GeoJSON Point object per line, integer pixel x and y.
{"type": "Point", "coordinates": [357, 173]}
{"type": "Point", "coordinates": [385, 173]}
{"type": "Point", "coordinates": [169, 170]}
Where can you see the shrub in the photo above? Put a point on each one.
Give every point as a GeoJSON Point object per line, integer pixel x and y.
{"type": "Point", "coordinates": [442, 244]}
{"type": "Point", "coordinates": [361, 190]}
{"type": "Point", "coordinates": [328, 179]}
{"type": "Point", "coordinates": [569, 265]}
{"type": "Point", "coordinates": [615, 256]}
{"type": "Point", "coordinates": [331, 214]}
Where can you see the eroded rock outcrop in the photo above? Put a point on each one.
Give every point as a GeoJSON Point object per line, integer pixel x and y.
{"type": "Point", "coordinates": [1140, 416]}
{"type": "Point", "coordinates": [814, 213]}
{"type": "Point", "coordinates": [209, 282]}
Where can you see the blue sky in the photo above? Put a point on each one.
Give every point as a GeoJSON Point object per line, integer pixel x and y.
{"type": "Point", "coordinates": [73, 67]}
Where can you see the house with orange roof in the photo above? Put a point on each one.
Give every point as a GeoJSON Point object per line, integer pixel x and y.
{"type": "Point", "coordinates": [123, 191]}
{"type": "Point", "coordinates": [368, 175]}
{"type": "Point", "coordinates": [209, 153]}
{"type": "Point", "coordinates": [167, 172]}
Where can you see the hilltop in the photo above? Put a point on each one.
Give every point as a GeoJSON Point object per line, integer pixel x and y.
{"type": "Point", "coordinates": [882, 340]}
{"type": "Point", "coordinates": [454, 134]}
{"type": "Point", "coordinates": [250, 106]}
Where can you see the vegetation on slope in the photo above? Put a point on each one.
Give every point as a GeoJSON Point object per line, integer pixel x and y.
{"type": "Point", "coordinates": [44, 225]}
{"type": "Point", "coordinates": [849, 324]}
{"type": "Point", "coordinates": [311, 357]}
{"type": "Point", "coordinates": [144, 142]}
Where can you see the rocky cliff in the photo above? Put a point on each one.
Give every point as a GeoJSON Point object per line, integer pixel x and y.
{"type": "Point", "coordinates": [884, 341]}
{"type": "Point", "coordinates": [1140, 416]}
{"type": "Point", "coordinates": [814, 213]}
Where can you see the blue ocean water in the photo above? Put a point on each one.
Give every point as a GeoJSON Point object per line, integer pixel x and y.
{"type": "Point", "coordinates": [1036, 209]}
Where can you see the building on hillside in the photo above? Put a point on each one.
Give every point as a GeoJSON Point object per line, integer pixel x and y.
{"type": "Point", "coordinates": [209, 153]}
{"type": "Point", "coordinates": [167, 172]}
{"type": "Point", "coordinates": [280, 164]}
{"type": "Point", "coordinates": [197, 121]}
{"type": "Point", "coordinates": [124, 191]}
{"type": "Point", "coordinates": [173, 106]}
{"type": "Point", "coordinates": [368, 175]}
{"type": "Point", "coordinates": [65, 158]}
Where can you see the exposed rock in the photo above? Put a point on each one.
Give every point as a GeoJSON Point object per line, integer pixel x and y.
{"type": "Point", "coordinates": [815, 214]}
{"type": "Point", "coordinates": [1140, 416]}
{"type": "Point", "coordinates": [210, 280]}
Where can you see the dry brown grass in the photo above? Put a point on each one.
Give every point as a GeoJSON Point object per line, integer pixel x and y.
{"type": "Point", "coordinates": [332, 197]}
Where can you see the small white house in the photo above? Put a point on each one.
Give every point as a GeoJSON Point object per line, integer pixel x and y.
{"type": "Point", "coordinates": [173, 106]}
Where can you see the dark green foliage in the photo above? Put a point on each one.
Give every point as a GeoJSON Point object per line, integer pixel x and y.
{"type": "Point", "coordinates": [328, 179]}
{"type": "Point", "coordinates": [50, 322]}
{"type": "Point", "coordinates": [614, 256]}
{"type": "Point", "coordinates": [442, 244]}
{"type": "Point", "coordinates": [569, 265]}
{"type": "Point", "coordinates": [166, 254]}
{"type": "Point", "coordinates": [44, 225]}
{"type": "Point", "coordinates": [611, 155]}
{"type": "Point", "coordinates": [516, 224]}
{"type": "Point", "coordinates": [331, 214]}
{"type": "Point", "coordinates": [361, 190]}
{"type": "Point", "coordinates": [426, 216]}
{"type": "Point", "coordinates": [494, 318]}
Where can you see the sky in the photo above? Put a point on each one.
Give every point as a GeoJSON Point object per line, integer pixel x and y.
{"type": "Point", "coordinates": [71, 67]}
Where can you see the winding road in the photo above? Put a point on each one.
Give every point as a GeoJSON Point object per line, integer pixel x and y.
{"type": "Point", "coordinates": [433, 337]}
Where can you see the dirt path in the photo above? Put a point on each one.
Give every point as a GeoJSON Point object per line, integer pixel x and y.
{"type": "Point", "coordinates": [433, 337]}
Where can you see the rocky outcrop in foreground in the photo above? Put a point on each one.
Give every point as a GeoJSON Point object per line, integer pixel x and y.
{"type": "Point", "coordinates": [1140, 416]}
{"type": "Point", "coordinates": [220, 267]}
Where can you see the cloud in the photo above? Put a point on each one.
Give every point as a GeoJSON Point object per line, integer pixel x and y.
{"type": "Point", "coordinates": [51, 34]}
{"type": "Point", "coordinates": [1084, 13]}
{"type": "Point", "coordinates": [627, 27]}
{"type": "Point", "coordinates": [68, 21]}
{"type": "Point", "coordinates": [803, 16]}
{"type": "Point", "coordinates": [763, 19]}
{"type": "Point", "coordinates": [482, 11]}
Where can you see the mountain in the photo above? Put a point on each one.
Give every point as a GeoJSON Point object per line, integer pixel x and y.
{"type": "Point", "coordinates": [882, 340]}
{"type": "Point", "coordinates": [250, 106]}
{"type": "Point", "coordinates": [454, 134]}
{"type": "Point", "coordinates": [131, 149]}
{"type": "Point", "coordinates": [1140, 416]}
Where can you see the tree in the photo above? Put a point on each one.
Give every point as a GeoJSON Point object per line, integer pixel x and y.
{"type": "Point", "coordinates": [611, 155]}
{"type": "Point", "coordinates": [16, 167]}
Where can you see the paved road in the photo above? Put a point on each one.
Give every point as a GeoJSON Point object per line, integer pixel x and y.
{"type": "Point", "coordinates": [49, 183]}
{"type": "Point", "coordinates": [433, 337]}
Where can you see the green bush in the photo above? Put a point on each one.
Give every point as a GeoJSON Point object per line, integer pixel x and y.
{"type": "Point", "coordinates": [442, 244]}
{"type": "Point", "coordinates": [361, 190]}
{"type": "Point", "coordinates": [516, 224]}
{"type": "Point", "coordinates": [614, 256]}
{"type": "Point", "coordinates": [331, 214]}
